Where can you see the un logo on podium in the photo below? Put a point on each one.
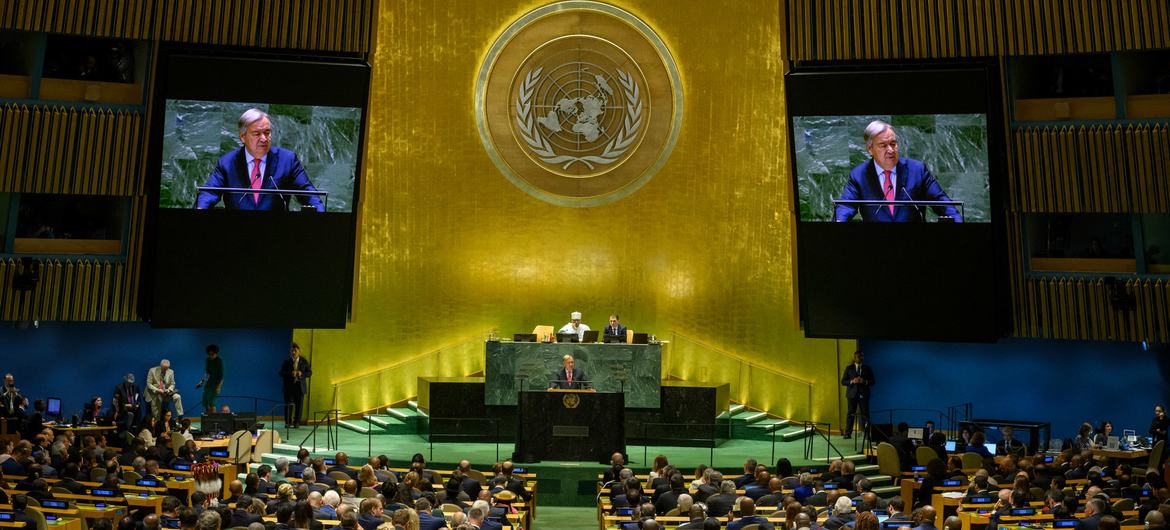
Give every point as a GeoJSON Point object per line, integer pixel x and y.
{"type": "Point", "coordinates": [578, 103]}
{"type": "Point", "coordinates": [571, 400]}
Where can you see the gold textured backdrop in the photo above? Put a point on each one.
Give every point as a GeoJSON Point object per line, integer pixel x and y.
{"type": "Point", "coordinates": [449, 249]}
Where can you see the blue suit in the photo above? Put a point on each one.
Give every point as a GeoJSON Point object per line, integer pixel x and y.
{"type": "Point", "coordinates": [914, 182]}
{"type": "Point", "coordinates": [621, 330]}
{"type": "Point", "coordinates": [282, 170]}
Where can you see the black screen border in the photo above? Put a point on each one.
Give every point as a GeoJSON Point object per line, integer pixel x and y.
{"type": "Point", "coordinates": [960, 86]}
{"type": "Point", "coordinates": [197, 72]}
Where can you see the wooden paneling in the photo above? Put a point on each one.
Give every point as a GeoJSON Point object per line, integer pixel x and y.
{"type": "Point", "coordinates": [1081, 309]}
{"type": "Point", "coordinates": [889, 29]}
{"type": "Point", "coordinates": [1097, 169]}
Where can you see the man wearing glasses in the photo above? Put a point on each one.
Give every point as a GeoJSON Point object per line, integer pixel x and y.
{"type": "Point", "coordinates": [886, 177]}
{"type": "Point", "coordinates": [260, 166]}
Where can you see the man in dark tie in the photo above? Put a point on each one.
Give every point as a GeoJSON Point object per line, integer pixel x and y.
{"type": "Point", "coordinates": [857, 379]}
{"type": "Point", "coordinates": [294, 372]}
{"type": "Point", "coordinates": [615, 327]}
{"type": "Point", "coordinates": [569, 376]}
{"type": "Point", "coordinates": [888, 177]}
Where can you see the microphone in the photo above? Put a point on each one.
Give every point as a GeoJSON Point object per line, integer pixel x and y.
{"type": "Point", "coordinates": [282, 197]}
{"type": "Point", "coordinates": [921, 212]}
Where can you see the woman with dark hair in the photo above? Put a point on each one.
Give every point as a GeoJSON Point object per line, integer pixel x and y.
{"type": "Point", "coordinates": [660, 462]}
{"type": "Point", "coordinates": [790, 511]}
{"type": "Point", "coordinates": [92, 411]}
{"type": "Point", "coordinates": [1084, 439]}
{"type": "Point", "coordinates": [938, 442]}
{"type": "Point", "coordinates": [784, 468]}
{"type": "Point", "coordinates": [976, 445]}
{"type": "Point", "coordinates": [303, 517]}
{"type": "Point", "coordinates": [936, 473]}
{"type": "Point", "coordinates": [1103, 434]}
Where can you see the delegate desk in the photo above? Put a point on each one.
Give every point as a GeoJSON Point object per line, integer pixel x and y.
{"type": "Point", "coordinates": [635, 369]}
{"type": "Point", "coordinates": [570, 425]}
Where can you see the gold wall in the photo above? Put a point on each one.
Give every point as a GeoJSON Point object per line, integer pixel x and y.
{"type": "Point", "coordinates": [449, 249]}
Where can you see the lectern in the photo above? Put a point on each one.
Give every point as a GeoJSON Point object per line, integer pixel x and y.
{"type": "Point", "coordinates": [570, 425]}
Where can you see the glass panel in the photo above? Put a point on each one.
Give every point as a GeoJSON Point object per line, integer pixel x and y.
{"type": "Point", "coordinates": [70, 224]}
{"type": "Point", "coordinates": [1156, 234]}
{"type": "Point", "coordinates": [1093, 243]}
{"type": "Point", "coordinates": [109, 60]}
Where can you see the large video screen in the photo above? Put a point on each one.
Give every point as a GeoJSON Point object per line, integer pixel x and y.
{"type": "Point", "coordinates": [895, 172]}
{"type": "Point", "coordinates": [255, 160]}
{"type": "Point", "coordinates": [933, 158]}
{"type": "Point", "coordinates": [204, 146]}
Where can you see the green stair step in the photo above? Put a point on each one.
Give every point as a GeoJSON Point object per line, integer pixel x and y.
{"type": "Point", "coordinates": [768, 425]}
{"type": "Point", "coordinates": [886, 492]}
{"type": "Point", "coordinates": [405, 413]}
{"type": "Point", "coordinates": [855, 458]}
{"type": "Point", "coordinates": [392, 424]}
{"type": "Point", "coordinates": [795, 433]}
{"type": "Point", "coordinates": [748, 416]}
{"type": "Point", "coordinates": [866, 469]}
{"type": "Point", "coordinates": [358, 426]}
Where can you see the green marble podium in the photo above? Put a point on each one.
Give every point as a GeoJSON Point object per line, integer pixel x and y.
{"type": "Point", "coordinates": [635, 369]}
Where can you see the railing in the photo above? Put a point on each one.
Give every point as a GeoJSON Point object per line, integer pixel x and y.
{"type": "Point", "coordinates": [749, 380]}
{"type": "Point", "coordinates": [399, 381]}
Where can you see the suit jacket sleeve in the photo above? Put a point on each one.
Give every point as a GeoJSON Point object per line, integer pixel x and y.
{"type": "Point", "coordinates": [847, 375]}
{"type": "Point", "coordinates": [867, 374]}
{"type": "Point", "coordinates": [298, 179]}
{"type": "Point", "coordinates": [306, 369]}
{"type": "Point", "coordinates": [933, 191]}
{"type": "Point", "coordinates": [217, 179]}
{"type": "Point", "coordinates": [852, 192]}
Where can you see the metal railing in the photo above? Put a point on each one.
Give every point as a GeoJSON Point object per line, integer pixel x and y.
{"type": "Point", "coordinates": [742, 374]}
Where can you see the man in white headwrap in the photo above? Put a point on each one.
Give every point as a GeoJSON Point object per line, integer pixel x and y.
{"type": "Point", "coordinates": [575, 326]}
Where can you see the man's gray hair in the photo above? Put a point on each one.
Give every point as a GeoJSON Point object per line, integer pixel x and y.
{"type": "Point", "coordinates": [308, 475]}
{"type": "Point", "coordinates": [249, 117]}
{"type": "Point", "coordinates": [875, 128]}
{"type": "Point", "coordinates": [727, 487]}
{"type": "Point", "coordinates": [165, 362]}
{"type": "Point", "coordinates": [208, 520]}
{"type": "Point", "coordinates": [281, 464]}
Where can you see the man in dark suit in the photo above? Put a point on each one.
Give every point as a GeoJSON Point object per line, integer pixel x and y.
{"type": "Point", "coordinates": [888, 177]}
{"type": "Point", "coordinates": [749, 473]}
{"type": "Point", "coordinates": [258, 165]}
{"type": "Point", "coordinates": [569, 377]}
{"type": "Point", "coordinates": [427, 521]}
{"type": "Point", "coordinates": [294, 372]}
{"type": "Point", "coordinates": [775, 493]}
{"type": "Point", "coordinates": [901, 441]}
{"type": "Point", "coordinates": [748, 516]}
{"type": "Point", "coordinates": [1094, 509]}
{"type": "Point", "coordinates": [126, 402]}
{"type": "Point", "coordinates": [719, 505]}
{"type": "Point", "coordinates": [857, 379]}
{"type": "Point", "coordinates": [668, 500]}
{"type": "Point", "coordinates": [242, 517]}
{"type": "Point", "coordinates": [615, 327]}
{"type": "Point", "coordinates": [1009, 444]}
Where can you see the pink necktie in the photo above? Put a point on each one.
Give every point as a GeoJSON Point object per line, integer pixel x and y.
{"type": "Point", "coordinates": [570, 376]}
{"type": "Point", "coordinates": [256, 178]}
{"type": "Point", "coordinates": [889, 187]}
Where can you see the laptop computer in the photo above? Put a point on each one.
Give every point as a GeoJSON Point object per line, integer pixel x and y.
{"type": "Point", "coordinates": [990, 447]}
{"type": "Point", "coordinates": [950, 446]}
{"type": "Point", "coordinates": [568, 337]}
{"type": "Point", "coordinates": [641, 338]}
{"type": "Point", "coordinates": [615, 339]}
{"type": "Point", "coordinates": [53, 407]}
{"type": "Point", "coordinates": [590, 336]}
{"type": "Point", "coordinates": [1113, 443]}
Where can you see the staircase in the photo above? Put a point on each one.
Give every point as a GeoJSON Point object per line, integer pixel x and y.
{"type": "Point", "coordinates": [392, 420]}
{"type": "Point", "coordinates": [757, 425]}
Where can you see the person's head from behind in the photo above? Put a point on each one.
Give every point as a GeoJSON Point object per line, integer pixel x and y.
{"type": "Point", "coordinates": [953, 523]}
{"type": "Point", "coordinates": [866, 521]}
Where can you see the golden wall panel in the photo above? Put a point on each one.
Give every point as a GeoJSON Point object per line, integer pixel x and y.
{"type": "Point", "coordinates": [450, 249]}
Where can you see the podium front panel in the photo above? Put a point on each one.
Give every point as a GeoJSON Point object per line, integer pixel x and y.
{"type": "Point", "coordinates": [635, 369]}
{"type": "Point", "coordinates": [570, 425]}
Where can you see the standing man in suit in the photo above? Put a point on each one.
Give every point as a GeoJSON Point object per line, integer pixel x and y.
{"type": "Point", "coordinates": [10, 397]}
{"type": "Point", "coordinates": [615, 327]}
{"type": "Point", "coordinates": [857, 379]}
{"type": "Point", "coordinates": [126, 404]}
{"type": "Point", "coordinates": [569, 376]}
{"type": "Point", "coordinates": [888, 177]}
{"type": "Point", "coordinates": [258, 165]}
{"type": "Point", "coordinates": [294, 372]}
{"type": "Point", "coordinates": [160, 388]}
{"type": "Point", "coordinates": [1160, 425]}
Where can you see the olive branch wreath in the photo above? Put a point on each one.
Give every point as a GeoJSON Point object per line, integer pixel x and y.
{"type": "Point", "coordinates": [621, 142]}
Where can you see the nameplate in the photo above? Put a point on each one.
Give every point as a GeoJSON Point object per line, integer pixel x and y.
{"type": "Point", "coordinates": [571, 431]}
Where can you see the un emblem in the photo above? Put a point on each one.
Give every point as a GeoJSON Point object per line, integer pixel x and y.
{"type": "Point", "coordinates": [571, 401]}
{"type": "Point", "coordinates": [578, 103]}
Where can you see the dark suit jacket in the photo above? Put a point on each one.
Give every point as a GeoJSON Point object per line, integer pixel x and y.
{"type": "Point", "coordinates": [1089, 523]}
{"type": "Point", "coordinates": [857, 390]}
{"type": "Point", "coordinates": [914, 182]}
{"type": "Point", "coordinates": [282, 170]}
{"type": "Point", "coordinates": [771, 499]}
{"type": "Point", "coordinates": [705, 491]}
{"type": "Point", "coordinates": [737, 524]}
{"type": "Point", "coordinates": [621, 330]}
{"type": "Point", "coordinates": [427, 521]}
{"type": "Point", "coordinates": [471, 487]}
{"type": "Point", "coordinates": [559, 379]}
{"type": "Point", "coordinates": [292, 386]}
{"type": "Point", "coordinates": [1017, 447]}
{"type": "Point", "coordinates": [719, 505]}
{"type": "Point", "coordinates": [242, 518]}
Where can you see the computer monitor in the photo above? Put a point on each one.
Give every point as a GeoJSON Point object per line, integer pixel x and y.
{"type": "Point", "coordinates": [217, 422]}
{"type": "Point", "coordinates": [641, 338]}
{"type": "Point", "coordinates": [615, 339]}
{"type": "Point", "coordinates": [950, 446]}
{"type": "Point", "coordinates": [53, 407]}
{"type": "Point", "coordinates": [990, 447]}
{"type": "Point", "coordinates": [568, 337]}
{"type": "Point", "coordinates": [1129, 435]}
{"type": "Point", "coordinates": [915, 433]}
{"type": "Point", "coordinates": [590, 336]}
{"type": "Point", "coordinates": [523, 337]}
{"type": "Point", "coordinates": [245, 421]}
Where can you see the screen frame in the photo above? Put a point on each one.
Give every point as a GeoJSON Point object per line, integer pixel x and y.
{"type": "Point", "coordinates": [177, 75]}
{"type": "Point", "coordinates": [817, 88]}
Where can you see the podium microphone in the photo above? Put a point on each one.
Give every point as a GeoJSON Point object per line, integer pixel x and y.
{"type": "Point", "coordinates": [275, 187]}
{"type": "Point", "coordinates": [921, 212]}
